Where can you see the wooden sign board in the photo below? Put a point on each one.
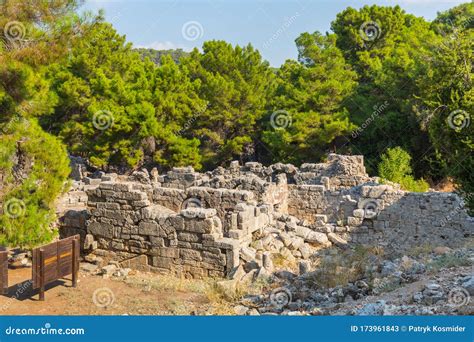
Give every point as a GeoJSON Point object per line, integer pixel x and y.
{"type": "Point", "coordinates": [55, 261]}
{"type": "Point", "coordinates": [3, 272]}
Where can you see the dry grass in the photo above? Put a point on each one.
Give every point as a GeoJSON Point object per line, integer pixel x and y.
{"type": "Point", "coordinates": [338, 268]}
{"type": "Point", "coordinates": [169, 283]}
{"type": "Point", "coordinates": [448, 261]}
{"type": "Point", "coordinates": [222, 302]}
{"type": "Point", "coordinates": [219, 301]}
{"type": "Point", "coordinates": [445, 185]}
{"type": "Point", "coordinates": [420, 250]}
{"type": "Point", "coordinates": [281, 262]}
{"type": "Point", "coordinates": [211, 297]}
{"type": "Point", "coordinates": [469, 242]}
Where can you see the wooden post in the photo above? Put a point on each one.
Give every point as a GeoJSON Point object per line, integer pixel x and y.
{"type": "Point", "coordinates": [42, 275]}
{"type": "Point", "coordinates": [75, 256]}
{"type": "Point", "coordinates": [3, 272]}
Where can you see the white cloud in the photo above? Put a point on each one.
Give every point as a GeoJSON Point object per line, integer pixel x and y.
{"type": "Point", "coordinates": [164, 46]}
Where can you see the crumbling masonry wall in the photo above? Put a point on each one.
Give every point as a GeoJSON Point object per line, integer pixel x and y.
{"type": "Point", "coordinates": [128, 219]}
{"type": "Point", "coordinates": [207, 224]}
{"type": "Point", "coordinates": [380, 215]}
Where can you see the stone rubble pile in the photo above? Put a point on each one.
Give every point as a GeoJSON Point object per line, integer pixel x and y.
{"type": "Point", "coordinates": [446, 293]}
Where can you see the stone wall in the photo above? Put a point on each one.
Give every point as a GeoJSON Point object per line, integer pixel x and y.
{"type": "Point", "coordinates": [125, 223]}
{"type": "Point", "coordinates": [204, 224]}
{"type": "Point", "coordinates": [197, 232]}
{"type": "Point", "coordinates": [399, 220]}
{"type": "Point", "coordinates": [381, 215]}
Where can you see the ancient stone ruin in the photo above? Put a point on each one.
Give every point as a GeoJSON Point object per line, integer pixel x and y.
{"type": "Point", "coordinates": [208, 224]}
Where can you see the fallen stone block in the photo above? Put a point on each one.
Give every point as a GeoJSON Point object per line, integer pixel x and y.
{"type": "Point", "coordinates": [247, 254]}
{"type": "Point", "coordinates": [337, 240]}
{"type": "Point", "coordinates": [108, 270]}
{"type": "Point", "coordinates": [311, 236]}
{"type": "Point", "coordinates": [89, 268]}
{"type": "Point", "coordinates": [89, 239]}
{"type": "Point", "coordinates": [358, 213]}
{"type": "Point", "coordinates": [237, 273]}
{"type": "Point", "coordinates": [267, 261]}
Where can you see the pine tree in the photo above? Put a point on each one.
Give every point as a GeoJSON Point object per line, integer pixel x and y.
{"type": "Point", "coordinates": [307, 112]}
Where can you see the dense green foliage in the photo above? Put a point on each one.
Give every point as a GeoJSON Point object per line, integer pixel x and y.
{"type": "Point", "coordinates": [446, 97]}
{"type": "Point", "coordinates": [383, 83]}
{"type": "Point", "coordinates": [34, 34]}
{"type": "Point", "coordinates": [307, 112]}
{"type": "Point", "coordinates": [389, 64]}
{"type": "Point", "coordinates": [235, 83]}
{"type": "Point", "coordinates": [104, 93]}
{"type": "Point", "coordinates": [395, 166]}
{"type": "Point", "coordinates": [156, 55]}
{"type": "Point", "coordinates": [29, 205]}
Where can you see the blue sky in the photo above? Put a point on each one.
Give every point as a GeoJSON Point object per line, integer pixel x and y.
{"type": "Point", "coordinates": [270, 25]}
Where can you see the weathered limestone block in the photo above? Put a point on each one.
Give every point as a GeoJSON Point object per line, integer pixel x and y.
{"type": "Point", "coordinates": [75, 219]}
{"type": "Point", "coordinates": [379, 225]}
{"type": "Point", "coordinates": [320, 220]}
{"type": "Point", "coordinates": [174, 223]}
{"type": "Point", "coordinates": [189, 254]}
{"type": "Point", "coordinates": [247, 254]}
{"type": "Point", "coordinates": [118, 245]}
{"type": "Point", "coordinates": [162, 262]}
{"type": "Point", "coordinates": [189, 237]}
{"type": "Point", "coordinates": [311, 236]}
{"type": "Point", "coordinates": [101, 229]}
{"type": "Point", "coordinates": [150, 228]}
{"type": "Point", "coordinates": [354, 221]}
{"type": "Point", "coordinates": [157, 241]}
{"type": "Point", "coordinates": [337, 240]}
{"type": "Point", "coordinates": [88, 241]}
{"type": "Point", "coordinates": [359, 213]}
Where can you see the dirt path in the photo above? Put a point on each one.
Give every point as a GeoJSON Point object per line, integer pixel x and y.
{"type": "Point", "coordinates": [139, 294]}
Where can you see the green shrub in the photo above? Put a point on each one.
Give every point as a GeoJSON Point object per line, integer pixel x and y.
{"type": "Point", "coordinates": [411, 184]}
{"type": "Point", "coordinates": [395, 167]}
